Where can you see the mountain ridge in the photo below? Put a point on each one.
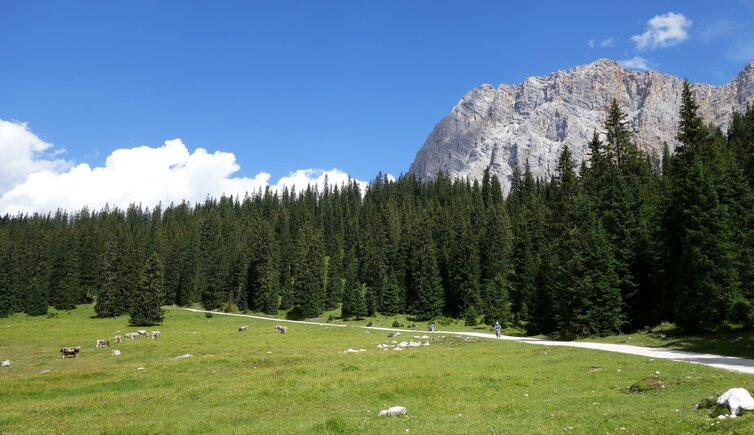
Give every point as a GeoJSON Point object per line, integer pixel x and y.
{"type": "Point", "coordinates": [500, 127]}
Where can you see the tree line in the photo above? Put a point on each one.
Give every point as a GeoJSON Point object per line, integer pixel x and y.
{"type": "Point", "coordinates": [622, 241]}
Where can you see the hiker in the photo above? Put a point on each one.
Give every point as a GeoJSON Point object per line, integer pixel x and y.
{"type": "Point", "coordinates": [498, 330]}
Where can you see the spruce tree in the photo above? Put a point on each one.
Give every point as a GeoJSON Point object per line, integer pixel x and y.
{"type": "Point", "coordinates": [148, 295]}
{"type": "Point", "coordinates": [424, 276]}
{"type": "Point", "coordinates": [261, 294]}
{"type": "Point", "coordinates": [308, 272]}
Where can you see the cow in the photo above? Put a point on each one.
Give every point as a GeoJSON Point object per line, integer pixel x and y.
{"type": "Point", "coordinates": [155, 335]}
{"type": "Point", "coordinates": [70, 351]}
{"type": "Point", "coordinates": [243, 328]}
{"type": "Point", "coordinates": [142, 333]}
{"type": "Point", "coordinates": [103, 343]}
{"type": "Point", "coordinates": [131, 335]}
{"type": "Point", "coordinates": [281, 329]}
{"type": "Point", "coordinates": [118, 338]}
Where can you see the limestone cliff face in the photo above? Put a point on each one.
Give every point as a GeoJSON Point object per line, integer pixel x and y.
{"type": "Point", "coordinates": [504, 126]}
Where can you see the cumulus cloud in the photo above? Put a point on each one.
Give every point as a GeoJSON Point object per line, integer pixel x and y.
{"type": "Point", "coordinates": [663, 31]}
{"type": "Point", "coordinates": [22, 152]}
{"type": "Point", "coordinates": [636, 62]}
{"type": "Point", "coordinates": [141, 175]}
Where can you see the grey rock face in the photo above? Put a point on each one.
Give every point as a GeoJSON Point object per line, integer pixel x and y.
{"type": "Point", "coordinates": [504, 126]}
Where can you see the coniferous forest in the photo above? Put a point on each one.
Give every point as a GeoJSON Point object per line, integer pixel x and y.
{"type": "Point", "coordinates": [620, 242]}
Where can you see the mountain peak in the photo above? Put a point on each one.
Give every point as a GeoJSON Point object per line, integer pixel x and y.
{"type": "Point", "coordinates": [503, 127]}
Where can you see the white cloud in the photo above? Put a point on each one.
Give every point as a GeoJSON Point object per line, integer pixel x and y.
{"type": "Point", "coordinates": [663, 31]}
{"type": "Point", "coordinates": [141, 175]}
{"type": "Point", "coordinates": [605, 43]}
{"type": "Point", "coordinates": [21, 153]}
{"type": "Point", "coordinates": [636, 62]}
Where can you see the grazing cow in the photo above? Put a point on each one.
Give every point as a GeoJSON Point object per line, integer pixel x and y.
{"type": "Point", "coordinates": [155, 335]}
{"type": "Point", "coordinates": [142, 333]}
{"type": "Point", "coordinates": [130, 335]}
{"type": "Point", "coordinates": [103, 343]}
{"type": "Point", "coordinates": [118, 338]}
{"type": "Point", "coordinates": [281, 329]}
{"type": "Point", "coordinates": [116, 352]}
{"type": "Point", "coordinates": [70, 351]}
{"type": "Point", "coordinates": [243, 328]}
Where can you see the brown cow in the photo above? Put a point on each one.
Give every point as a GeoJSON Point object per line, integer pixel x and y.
{"type": "Point", "coordinates": [281, 329]}
{"type": "Point", "coordinates": [103, 343]}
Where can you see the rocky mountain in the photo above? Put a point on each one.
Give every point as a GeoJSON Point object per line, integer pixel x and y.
{"type": "Point", "coordinates": [504, 126]}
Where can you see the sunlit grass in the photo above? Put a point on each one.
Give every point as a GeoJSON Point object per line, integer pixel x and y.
{"type": "Point", "coordinates": [263, 382]}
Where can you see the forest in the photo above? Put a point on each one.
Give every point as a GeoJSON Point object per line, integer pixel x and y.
{"type": "Point", "coordinates": [620, 242]}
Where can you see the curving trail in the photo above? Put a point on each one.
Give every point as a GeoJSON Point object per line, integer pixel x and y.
{"type": "Point", "coordinates": [736, 364]}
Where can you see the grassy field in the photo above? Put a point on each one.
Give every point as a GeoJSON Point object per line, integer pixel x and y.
{"type": "Point", "coordinates": [303, 382]}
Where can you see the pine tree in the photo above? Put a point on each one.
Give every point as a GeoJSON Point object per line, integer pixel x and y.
{"type": "Point", "coordinates": [149, 295]}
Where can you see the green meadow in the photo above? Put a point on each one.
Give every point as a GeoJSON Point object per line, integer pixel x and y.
{"type": "Point", "coordinates": [304, 382]}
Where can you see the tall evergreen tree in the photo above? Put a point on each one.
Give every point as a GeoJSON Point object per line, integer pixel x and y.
{"type": "Point", "coordinates": [149, 295]}
{"type": "Point", "coordinates": [308, 272]}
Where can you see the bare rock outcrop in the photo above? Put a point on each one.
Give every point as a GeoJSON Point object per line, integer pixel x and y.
{"type": "Point", "coordinates": [504, 126]}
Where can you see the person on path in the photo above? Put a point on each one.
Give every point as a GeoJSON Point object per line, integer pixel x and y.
{"type": "Point", "coordinates": [498, 330]}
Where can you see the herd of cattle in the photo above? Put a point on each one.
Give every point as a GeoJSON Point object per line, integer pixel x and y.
{"type": "Point", "coordinates": [278, 328]}
{"type": "Point", "coordinates": [73, 352]}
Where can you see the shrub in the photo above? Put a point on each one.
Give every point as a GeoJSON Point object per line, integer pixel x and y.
{"type": "Point", "coordinates": [470, 318]}
{"type": "Point", "coordinates": [444, 321]}
{"type": "Point", "coordinates": [370, 323]}
{"type": "Point", "coordinates": [741, 312]}
{"type": "Point", "coordinates": [208, 315]}
{"type": "Point", "coordinates": [396, 324]}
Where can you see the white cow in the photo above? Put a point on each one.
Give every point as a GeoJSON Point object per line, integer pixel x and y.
{"type": "Point", "coordinates": [155, 335]}
{"type": "Point", "coordinates": [142, 333]}
{"type": "Point", "coordinates": [243, 328]}
{"type": "Point", "coordinates": [118, 338]}
{"type": "Point", "coordinates": [116, 352]}
{"type": "Point", "coordinates": [103, 343]}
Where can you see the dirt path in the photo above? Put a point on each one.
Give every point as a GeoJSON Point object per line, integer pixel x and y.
{"type": "Point", "coordinates": [723, 362]}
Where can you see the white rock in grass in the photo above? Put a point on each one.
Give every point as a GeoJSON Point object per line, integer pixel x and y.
{"type": "Point", "coordinates": [6, 363]}
{"type": "Point", "coordinates": [397, 334]}
{"type": "Point", "coordinates": [188, 355]}
{"type": "Point", "coordinates": [394, 411]}
{"type": "Point", "coordinates": [397, 348]}
{"type": "Point", "coordinates": [424, 336]}
{"type": "Point", "coordinates": [116, 352]}
{"type": "Point", "coordinates": [736, 399]}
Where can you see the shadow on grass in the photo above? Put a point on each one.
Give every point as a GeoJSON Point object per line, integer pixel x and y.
{"type": "Point", "coordinates": [730, 343]}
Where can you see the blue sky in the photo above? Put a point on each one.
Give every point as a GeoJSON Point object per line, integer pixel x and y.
{"type": "Point", "coordinates": [289, 85]}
